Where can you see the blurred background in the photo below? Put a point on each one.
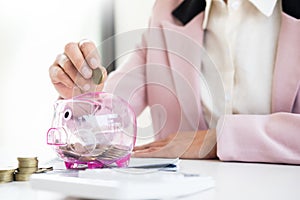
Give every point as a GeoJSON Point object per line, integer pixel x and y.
{"type": "Point", "coordinates": [32, 33]}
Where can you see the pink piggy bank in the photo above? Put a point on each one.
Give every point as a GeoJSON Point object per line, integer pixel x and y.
{"type": "Point", "coordinates": [93, 130]}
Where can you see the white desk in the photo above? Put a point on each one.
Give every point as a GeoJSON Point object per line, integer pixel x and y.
{"type": "Point", "coordinates": [234, 181]}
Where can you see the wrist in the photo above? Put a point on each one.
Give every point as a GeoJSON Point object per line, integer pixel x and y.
{"type": "Point", "coordinates": [208, 149]}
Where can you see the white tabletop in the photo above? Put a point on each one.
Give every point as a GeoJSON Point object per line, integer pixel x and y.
{"type": "Point", "coordinates": [233, 181]}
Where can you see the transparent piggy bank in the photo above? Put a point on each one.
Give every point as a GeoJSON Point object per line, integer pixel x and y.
{"type": "Point", "coordinates": [93, 130]}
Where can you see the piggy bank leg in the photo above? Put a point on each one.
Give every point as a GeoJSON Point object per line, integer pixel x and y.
{"type": "Point", "coordinates": [80, 165]}
{"type": "Point", "coordinates": [123, 162]}
{"type": "Point", "coordinates": [94, 165]}
{"type": "Point", "coordinates": [71, 165]}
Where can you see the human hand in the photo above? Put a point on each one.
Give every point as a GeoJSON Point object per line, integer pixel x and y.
{"type": "Point", "coordinates": [190, 145]}
{"type": "Point", "coordinates": [77, 70]}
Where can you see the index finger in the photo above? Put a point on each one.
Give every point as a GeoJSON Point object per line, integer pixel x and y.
{"type": "Point", "coordinates": [92, 57]}
{"type": "Point", "coordinates": [90, 53]}
{"type": "Point", "coordinates": [73, 53]}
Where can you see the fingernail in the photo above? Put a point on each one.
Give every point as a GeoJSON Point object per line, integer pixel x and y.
{"type": "Point", "coordinates": [54, 71]}
{"type": "Point", "coordinates": [86, 72]}
{"type": "Point", "coordinates": [94, 63]}
{"type": "Point", "coordinates": [86, 87]}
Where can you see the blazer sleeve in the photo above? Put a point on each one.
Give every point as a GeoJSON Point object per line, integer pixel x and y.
{"type": "Point", "coordinates": [129, 80]}
{"type": "Point", "coordinates": [273, 138]}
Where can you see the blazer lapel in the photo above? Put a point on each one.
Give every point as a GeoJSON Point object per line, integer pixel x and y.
{"type": "Point", "coordinates": [287, 69]}
{"type": "Point", "coordinates": [184, 49]}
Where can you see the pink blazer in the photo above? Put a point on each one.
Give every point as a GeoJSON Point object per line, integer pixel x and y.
{"type": "Point", "coordinates": [164, 73]}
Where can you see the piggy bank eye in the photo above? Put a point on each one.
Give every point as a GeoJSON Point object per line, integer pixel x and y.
{"type": "Point", "coordinates": [68, 114]}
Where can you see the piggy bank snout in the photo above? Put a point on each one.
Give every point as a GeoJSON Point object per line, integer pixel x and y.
{"type": "Point", "coordinates": [57, 136]}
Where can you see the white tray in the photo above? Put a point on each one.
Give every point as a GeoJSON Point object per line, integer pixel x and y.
{"type": "Point", "coordinates": [127, 183]}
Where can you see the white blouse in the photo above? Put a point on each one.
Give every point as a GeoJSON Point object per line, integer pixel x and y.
{"type": "Point", "coordinates": [241, 40]}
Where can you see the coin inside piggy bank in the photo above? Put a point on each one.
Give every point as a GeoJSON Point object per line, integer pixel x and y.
{"type": "Point", "coordinates": [93, 130]}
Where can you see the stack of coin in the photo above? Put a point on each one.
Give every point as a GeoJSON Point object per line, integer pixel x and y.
{"type": "Point", "coordinates": [27, 166]}
{"type": "Point", "coordinates": [6, 175]}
